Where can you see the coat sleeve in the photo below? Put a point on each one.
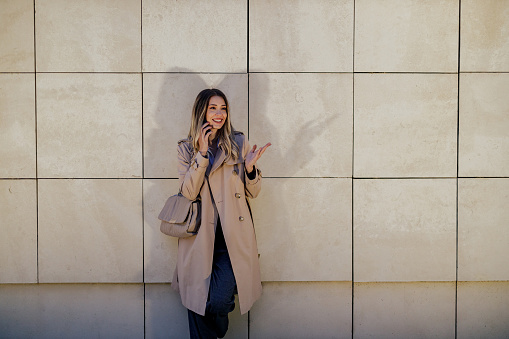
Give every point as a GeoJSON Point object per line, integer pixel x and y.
{"type": "Point", "coordinates": [253, 186]}
{"type": "Point", "coordinates": [191, 171]}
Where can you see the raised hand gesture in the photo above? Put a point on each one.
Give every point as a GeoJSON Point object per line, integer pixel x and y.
{"type": "Point", "coordinates": [253, 156]}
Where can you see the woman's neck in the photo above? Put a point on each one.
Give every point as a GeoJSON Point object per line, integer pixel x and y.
{"type": "Point", "coordinates": [213, 138]}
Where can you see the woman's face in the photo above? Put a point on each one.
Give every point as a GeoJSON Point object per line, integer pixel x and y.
{"type": "Point", "coordinates": [216, 112]}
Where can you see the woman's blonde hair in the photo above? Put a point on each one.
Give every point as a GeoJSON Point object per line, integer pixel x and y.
{"type": "Point", "coordinates": [225, 134]}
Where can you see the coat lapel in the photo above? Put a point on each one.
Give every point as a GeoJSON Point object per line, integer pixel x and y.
{"type": "Point", "coordinates": [218, 160]}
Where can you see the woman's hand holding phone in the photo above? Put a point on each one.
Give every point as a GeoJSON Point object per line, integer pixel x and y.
{"type": "Point", "coordinates": [203, 141]}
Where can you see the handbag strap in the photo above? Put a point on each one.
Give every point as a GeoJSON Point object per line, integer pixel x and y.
{"type": "Point", "coordinates": [210, 190]}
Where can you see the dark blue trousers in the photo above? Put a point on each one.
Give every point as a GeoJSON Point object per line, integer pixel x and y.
{"type": "Point", "coordinates": [221, 300]}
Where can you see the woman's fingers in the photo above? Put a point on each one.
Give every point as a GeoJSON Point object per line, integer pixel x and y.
{"type": "Point", "coordinates": [266, 146]}
{"type": "Point", "coordinates": [263, 149]}
{"type": "Point", "coordinates": [203, 140]}
{"type": "Point", "coordinates": [206, 127]}
{"type": "Point", "coordinates": [205, 131]}
{"type": "Point", "coordinates": [258, 153]}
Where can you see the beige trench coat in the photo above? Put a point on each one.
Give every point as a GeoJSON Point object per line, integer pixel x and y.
{"type": "Point", "coordinates": [230, 186]}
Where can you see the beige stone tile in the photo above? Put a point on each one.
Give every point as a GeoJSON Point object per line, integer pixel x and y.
{"type": "Point", "coordinates": [160, 250]}
{"type": "Point", "coordinates": [167, 105]}
{"type": "Point", "coordinates": [17, 125]}
{"type": "Point", "coordinates": [18, 220]}
{"type": "Point", "coordinates": [89, 125]}
{"type": "Point", "coordinates": [88, 36]}
{"type": "Point", "coordinates": [484, 36]}
{"type": "Point", "coordinates": [483, 309]}
{"type": "Point", "coordinates": [181, 36]}
{"type": "Point", "coordinates": [405, 125]}
{"type": "Point", "coordinates": [90, 230]}
{"type": "Point", "coordinates": [71, 311]}
{"type": "Point", "coordinates": [404, 310]}
{"type": "Point", "coordinates": [166, 317]}
{"type": "Point", "coordinates": [483, 235]}
{"type": "Point", "coordinates": [239, 324]}
{"type": "Point", "coordinates": [17, 36]}
{"type": "Point", "coordinates": [406, 36]}
{"type": "Point", "coordinates": [484, 125]}
{"type": "Point", "coordinates": [307, 118]}
{"type": "Point", "coordinates": [404, 230]}
{"type": "Point", "coordinates": [303, 310]}
{"type": "Point", "coordinates": [304, 229]}
{"type": "Point", "coordinates": [301, 36]}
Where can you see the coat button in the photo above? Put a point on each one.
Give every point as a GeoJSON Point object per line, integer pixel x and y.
{"type": "Point", "coordinates": [241, 218]}
{"type": "Point", "coordinates": [234, 172]}
{"type": "Point", "coordinates": [237, 195]}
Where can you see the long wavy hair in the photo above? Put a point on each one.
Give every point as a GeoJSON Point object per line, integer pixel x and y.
{"type": "Point", "coordinates": [225, 134]}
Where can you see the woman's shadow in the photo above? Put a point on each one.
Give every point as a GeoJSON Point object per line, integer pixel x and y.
{"type": "Point", "coordinates": [167, 104]}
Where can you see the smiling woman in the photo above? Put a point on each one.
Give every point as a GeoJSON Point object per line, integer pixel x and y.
{"type": "Point", "coordinates": [222, 259]}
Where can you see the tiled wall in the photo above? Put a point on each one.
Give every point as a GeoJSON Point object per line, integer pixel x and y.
{"type": "Point", "coordinates": [384, 208]}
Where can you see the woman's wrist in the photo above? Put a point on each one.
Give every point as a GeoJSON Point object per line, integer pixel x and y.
{"type": "Point", "coordinates": [251, 175]}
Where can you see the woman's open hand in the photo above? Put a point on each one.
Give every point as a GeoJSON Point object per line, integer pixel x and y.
{"type": "Point", "coordinates": [203, 141]}
{"type": "Point", "coordinates": [253, 156]}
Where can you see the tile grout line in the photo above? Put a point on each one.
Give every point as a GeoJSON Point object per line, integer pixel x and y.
{"type": "Point", "coordinates": [266, 177]}
{"type": "Point", "coordinates": [141, 37]}
{"type": "Point", "coordinates": [269, 177]}
{"type": "Point", "coordinates": [36, 163]}
{"type": "Point", "coordinates": [142, 180]}
{"type": "Point", "coordinates": [248, 130]}
{"type": "Point", "coordinates": [247, 40]}
{"type": "Point", "coordinates": [353, 162]}
{"type": "Point", "coordinates": [457, 173]}
{"type": "Point", "coordinates": [258, 72]}
{"type": "Point", "coordinates": [248, 76]}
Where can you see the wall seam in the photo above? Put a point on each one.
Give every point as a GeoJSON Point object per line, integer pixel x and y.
{"type": "Point", "coordinates": [143, 179]}
{"type": "Point", "coordinates": [267, 177]}
{"type": "Point", "coordinates": [248, 100]}
{"type": "Point", "coordinates": [353, 162]}
{"type": "Point", "coordinates": [373, 72]}
{"type": "Point", "coordinates": [36, 163]}
{"type": "Point", "coordinates": [256, 72]}
{"type": "Point", "coordinates": [247, 40]}
{"type": "Point", "coordinates": [457, 172]}
{"type": "Point", "coordinates": [141, 36]}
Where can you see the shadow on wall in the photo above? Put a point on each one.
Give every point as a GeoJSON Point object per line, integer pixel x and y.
{"type": "Point", "coordinates": [167, 119]}
{"type": "Point", "coordinates": [293, 135]}
{"type": "Point", "coordinates": [168, 102]}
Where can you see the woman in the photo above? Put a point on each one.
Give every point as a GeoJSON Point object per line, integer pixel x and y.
{"type": "Point", "coordinates": [217, 164]}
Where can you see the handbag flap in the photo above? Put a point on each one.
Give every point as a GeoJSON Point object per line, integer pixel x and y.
{"type": "Point", "coordinates": [176, 209]}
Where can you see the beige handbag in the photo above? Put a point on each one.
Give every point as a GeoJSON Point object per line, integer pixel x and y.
{"type": "Point", "coordinates": [180, 217]}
